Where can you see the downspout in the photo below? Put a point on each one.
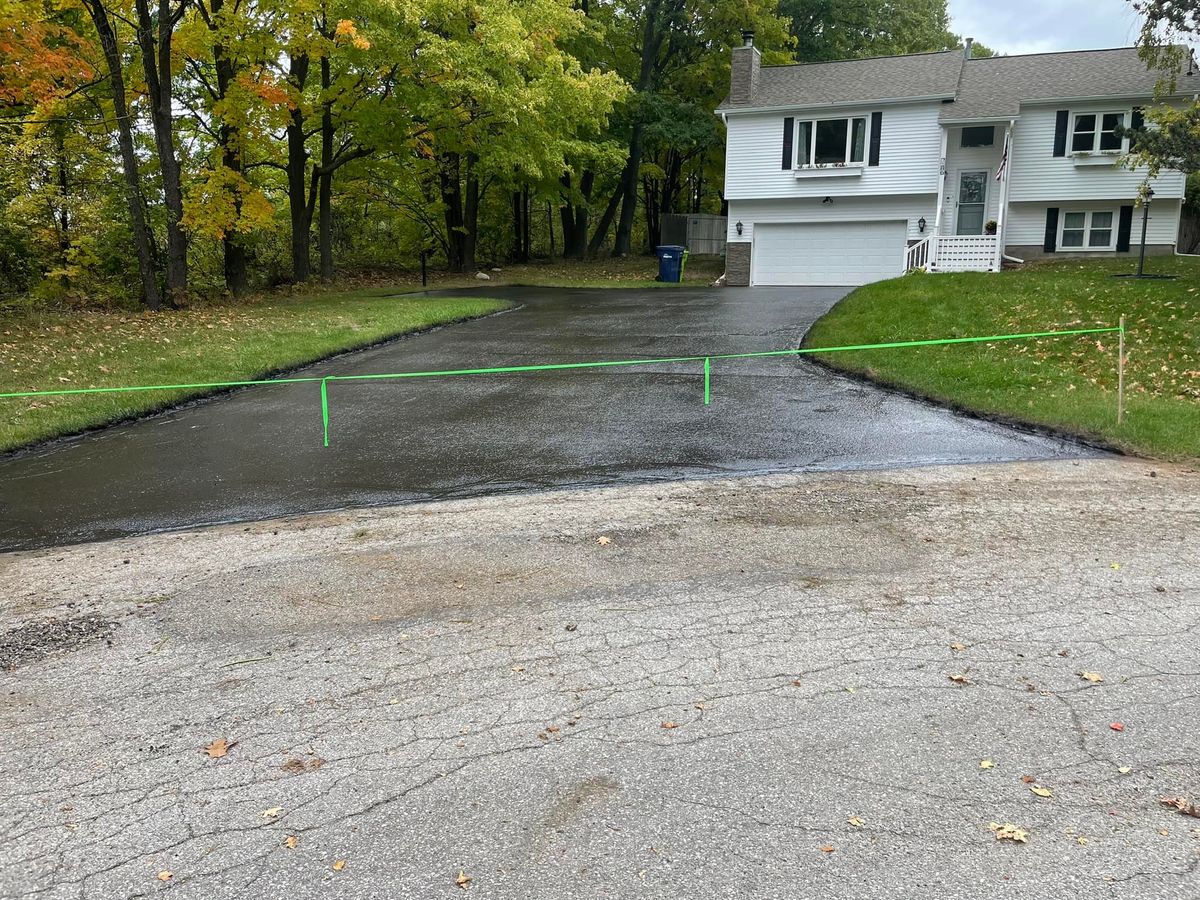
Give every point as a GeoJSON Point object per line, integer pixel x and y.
{"type": "Point", "coordinates": [937, 224]}
{"type": "Point", "coordinates": [1012, 128]}
{"type": "Point", "coordinates": [1002, 214]}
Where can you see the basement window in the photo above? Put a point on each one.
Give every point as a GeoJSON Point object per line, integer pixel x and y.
{"type": "Point", "coordinates": [1088, 231]}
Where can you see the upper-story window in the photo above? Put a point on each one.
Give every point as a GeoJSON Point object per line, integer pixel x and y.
{"type": "Point", "coordinates": [831, 142]}
{"type": "Point", "coordinates": [1098, 132]}
{"type": "Point", "coordinates": [978, 136]}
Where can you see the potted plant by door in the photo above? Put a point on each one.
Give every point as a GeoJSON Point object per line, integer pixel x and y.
{"type": "Point", "coordinates": [990, 227]}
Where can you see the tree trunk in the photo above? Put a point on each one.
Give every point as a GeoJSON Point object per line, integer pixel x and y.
{"type": "Point", "coordinates": [228, 139]}
{"type": "Point", "coordinates": [517, 229]}
{"type": "Point", "coordinates": [452, 201]}
{"type": "Point", "coordinates": [297, 173]}
{"type": "Point", "coordinates": [628, 192]}
{"type": "Point", "coordinates": [63, 219]}
{"type": "Point", "coordinates": [325, 216]}
{"type": "Point", "coordinates": [156, 62]}
{"type": "Point", "coordinates": [151, 298]}
{"type": "Point", "coordinates": [601, 232]}
{"type": "Point", "coordinates": [470, 215]}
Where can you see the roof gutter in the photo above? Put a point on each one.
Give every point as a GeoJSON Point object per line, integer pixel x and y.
{"type": "Point", "coordinates": [802, 107]}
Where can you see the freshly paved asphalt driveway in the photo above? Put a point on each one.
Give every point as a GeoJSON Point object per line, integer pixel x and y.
{"type": "Point", "coordinates": [257, 453]}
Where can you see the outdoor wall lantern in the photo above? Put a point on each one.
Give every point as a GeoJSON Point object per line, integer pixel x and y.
{"type": "Point", "coordinates": [921, 223]}
{"type": "Point", "coordinates": [739, 227]}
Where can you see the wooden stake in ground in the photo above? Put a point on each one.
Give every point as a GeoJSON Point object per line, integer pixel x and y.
{"type": "Point", "coordinates": [1121, 373]}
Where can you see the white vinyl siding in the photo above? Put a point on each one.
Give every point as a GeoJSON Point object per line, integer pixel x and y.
{"type": "Point", "coordinates": [842, 209]}
{"type": "Point", "coordinates": [828, 253]}
{"type": "Point", "coordinates": [961, 159]}
{"type": "Point", "coordinates": [909, 158]}
{"type": "Point", "coordinates": [1027, 222]}
{"type": "Point", "coordinates": [1040, 175]}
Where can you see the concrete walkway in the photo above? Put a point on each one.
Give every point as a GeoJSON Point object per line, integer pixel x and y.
{"type": "Point", "coordinates": [258, 454]}
{"type": "Point", "coordinates": [766, 687]}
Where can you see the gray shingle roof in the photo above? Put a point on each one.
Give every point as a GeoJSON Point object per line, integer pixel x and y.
{"type": "Point", "coordinates": [857, 80]}
{"type": "Point", "coordinates": [991, 87]}
{"type": "Point", "coordinates": [996, 87]}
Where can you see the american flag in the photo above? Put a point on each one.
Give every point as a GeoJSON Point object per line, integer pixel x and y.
{"type": "Point", "coordinates": [1003, 160]}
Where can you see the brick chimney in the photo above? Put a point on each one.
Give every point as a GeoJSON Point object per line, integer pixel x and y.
{"type": "Point", "coordinates": [743, 74]}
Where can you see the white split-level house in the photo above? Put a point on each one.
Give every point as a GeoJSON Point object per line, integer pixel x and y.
{"type": "Point", "coordinates": [844, 173]}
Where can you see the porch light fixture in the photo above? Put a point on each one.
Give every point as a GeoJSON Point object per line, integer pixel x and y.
{"type": "Point", "coordinates": [739, 227]}
{"type": "Point", "coordinates": [921, 223]}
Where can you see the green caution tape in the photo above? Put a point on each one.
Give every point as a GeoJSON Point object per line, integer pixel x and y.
{"type": "Point", "coordinates": [552, 367]}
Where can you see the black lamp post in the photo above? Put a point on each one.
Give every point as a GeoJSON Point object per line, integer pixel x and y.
{"type": "Point", "coordinates": [1145, 221]}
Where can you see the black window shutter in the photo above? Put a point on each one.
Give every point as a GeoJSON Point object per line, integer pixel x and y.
{"type": "Point", "coordinates": [789, 135]}
{"type": "Point", "coordinates": [876, 136]}
{"type": "Point", "coordinates": [1124, 229]}
{"type": "Point", "coordinates": [1060, 132]}
{"type": "Point", "coordinates": [1136, 124]}
{"type": "Point", "coordinates": [1051, 243]}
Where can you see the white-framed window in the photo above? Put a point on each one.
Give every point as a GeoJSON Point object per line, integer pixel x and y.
{"type": "Point", "coordinates": [832, 142]}
{"type": "Point", "coordinates": [1096, 132]}
{"type": "Point", "coordinates": [1090, 230]}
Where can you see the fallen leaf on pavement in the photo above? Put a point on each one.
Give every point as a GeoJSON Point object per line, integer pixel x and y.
{"type": "Point", "coordinates": [604, 540]}
{"type": "Point", "coordinates": [1117, 726]}
{"type": "Point", "coordinates": [958, 646]}
{"type": "Point", "coordinates": [272, 813]}
{"type": "Point", "coordinates": [1093, 677]}
{"type": "Point", "coordinates": [291, 841]}
{"type": "Point", "coordinates": [828, 849]}
{"type": "Point", "coordinates": [338, 865]}
{"type": "Point", "coordinates": [1081, 841]}
{"type": "Point", "coordinates": [670, 725]}
{"type": "Point", "coordinates": [1125, 770]}
{"type": "Point", "coordinates": [1181, 805]}
{"type": "Point", "coordinates": [986, 764]}
{"type": "Point", "coordinates": [1009, 832]}
{"type": "Point", "coordinates": [1028, 779]}
{"type": "Point", "coordinates": [219, 748]}
{"type": "Point", "coordinates": [165, 875]}
{"type": "Point", "coordinates": [1040, 791]}
{"type": "Point", "coordinates": [463, 880]}
{"type": "Point", "coordinates": [958, 678]}
{"type": "Point", "coordinates": [856, 821]}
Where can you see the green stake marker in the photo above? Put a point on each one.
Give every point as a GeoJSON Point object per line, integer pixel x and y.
{"type": "Point", "coordinates": [325, 408]}
{"type": "Point", "coordinates": [707, 380]}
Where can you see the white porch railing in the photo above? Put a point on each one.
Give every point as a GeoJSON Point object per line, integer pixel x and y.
{"type": "Point", "coordinates": [919, 255]}
{"type": "Point", "coordinates": [954, 253]}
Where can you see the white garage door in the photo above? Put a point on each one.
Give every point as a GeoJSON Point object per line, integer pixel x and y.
{"type": "Point", "coordinates": [828, 252]}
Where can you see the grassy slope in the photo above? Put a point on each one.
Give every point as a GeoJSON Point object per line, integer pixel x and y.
{"type": "Point", "coordinates": [225, 342]}
{"type": "Point", "coordinates": [1068, 383]}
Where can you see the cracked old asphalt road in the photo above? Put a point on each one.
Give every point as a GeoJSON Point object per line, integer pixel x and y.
{"type": "Point", "coordinates": [257, 453]}
{"type": "Point", "coordinates": [485, 687]}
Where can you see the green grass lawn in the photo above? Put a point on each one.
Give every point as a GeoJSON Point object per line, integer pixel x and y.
{"type": "Point", "coordinates": [56, 350]}
{"type": "Point", "coordinates": [1067, 383]}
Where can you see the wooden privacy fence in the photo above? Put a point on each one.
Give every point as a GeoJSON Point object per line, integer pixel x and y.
{"type": "Point", "coordinates": [702, 234]}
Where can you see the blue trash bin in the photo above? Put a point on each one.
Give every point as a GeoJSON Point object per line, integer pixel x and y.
{"type": "Point", "coordinates": [670, 262]}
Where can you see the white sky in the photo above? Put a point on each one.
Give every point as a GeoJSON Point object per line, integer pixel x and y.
{"type": "Point", "coordinates": [1036, 26]}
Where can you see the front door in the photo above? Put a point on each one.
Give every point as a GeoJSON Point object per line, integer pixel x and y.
{"type": "Point", "coordinates": [972, 202]}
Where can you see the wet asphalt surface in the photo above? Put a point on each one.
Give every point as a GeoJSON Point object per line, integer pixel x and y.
{"type": "Point", "coordinates": [258, 453]}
